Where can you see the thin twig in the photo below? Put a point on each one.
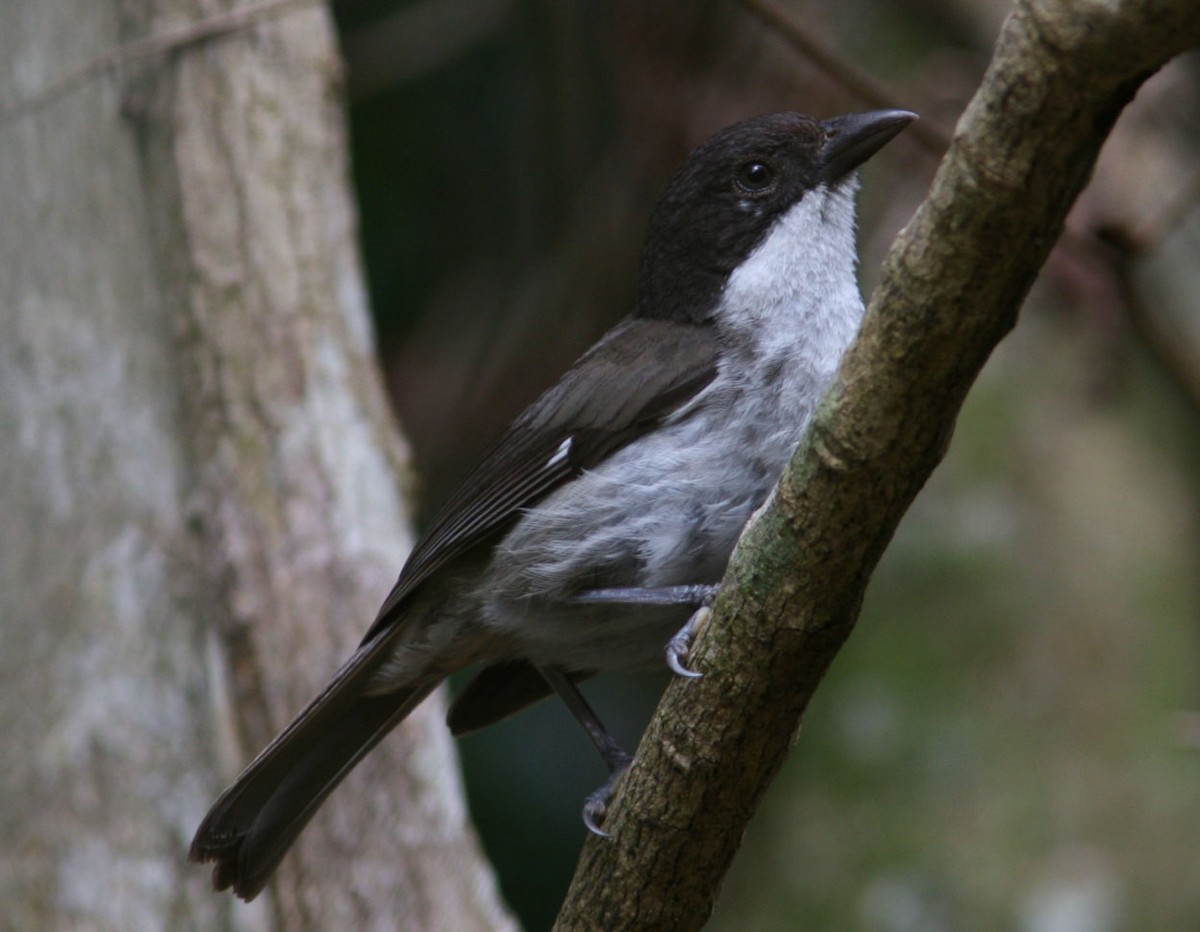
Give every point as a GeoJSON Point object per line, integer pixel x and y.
{"type": "Point", "coordinates": [927, 132]}
{"type": "Point", "coordinates": [157, 44]}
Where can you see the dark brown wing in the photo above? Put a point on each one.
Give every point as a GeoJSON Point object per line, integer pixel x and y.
{"type": "Point", "coordinates": [648, 368]}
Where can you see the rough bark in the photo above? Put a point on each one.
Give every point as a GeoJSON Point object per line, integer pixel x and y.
{"type": "Point", "coordinates": [951, 289]}
{"type": "Point", "coordinates": [201, 478]}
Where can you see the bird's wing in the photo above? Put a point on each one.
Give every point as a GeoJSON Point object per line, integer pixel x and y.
{"type": "Point", "coordinates": [645, 370]}
{"type": "Point", "coordinates": [648, 369]}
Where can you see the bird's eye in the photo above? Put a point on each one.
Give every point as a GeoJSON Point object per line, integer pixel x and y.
{"type": "Point", "coordinates": [754, 176]}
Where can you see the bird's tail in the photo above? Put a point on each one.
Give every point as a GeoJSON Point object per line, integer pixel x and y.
{"type": "Point", "coordinates": [254, 822]}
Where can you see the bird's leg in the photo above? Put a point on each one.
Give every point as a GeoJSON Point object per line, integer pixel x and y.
{"type": "Point", "coordinates": [617, 760]}
{"type": "Point", "coordinates": [595, 807]}
{"type": "Point", "coordinates": [700, 595]}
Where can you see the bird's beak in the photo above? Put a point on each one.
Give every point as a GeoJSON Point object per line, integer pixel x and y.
{"type": "Point", "coordinates": [852, 139]}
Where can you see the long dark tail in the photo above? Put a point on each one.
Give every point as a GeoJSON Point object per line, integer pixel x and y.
{"type": "Point", "coordinates": [254, 822]}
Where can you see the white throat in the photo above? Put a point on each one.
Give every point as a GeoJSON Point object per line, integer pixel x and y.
{"type": "Point", "coordinates": [796, 296]}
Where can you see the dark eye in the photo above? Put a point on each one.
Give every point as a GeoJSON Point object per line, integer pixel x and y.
{"type": "Point", "coordinates": [755, 176]}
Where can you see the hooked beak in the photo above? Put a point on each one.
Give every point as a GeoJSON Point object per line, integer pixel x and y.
{"type": "Point", "coordinates": [852, 139]}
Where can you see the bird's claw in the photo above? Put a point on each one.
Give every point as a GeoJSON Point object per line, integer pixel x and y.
{"type": "Point", "coordinates": [595, 807]}
{"type": "Point", "coordinates": [681, 643]}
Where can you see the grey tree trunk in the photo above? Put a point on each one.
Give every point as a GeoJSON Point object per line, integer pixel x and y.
{"type": "Point", "coordinates": [200, 478]}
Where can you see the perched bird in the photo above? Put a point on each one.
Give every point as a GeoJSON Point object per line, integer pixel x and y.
{"type": "Point", "coordinates": [601, 520]}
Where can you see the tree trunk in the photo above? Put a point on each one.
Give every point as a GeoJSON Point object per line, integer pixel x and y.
{"type": "Point", "coordinates": [201, 479]}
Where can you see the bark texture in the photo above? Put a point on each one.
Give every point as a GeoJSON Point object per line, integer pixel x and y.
{"type": "Point", "coordinates": [201, 480]}
{"type": "Point", "coordinates": [951, 289]}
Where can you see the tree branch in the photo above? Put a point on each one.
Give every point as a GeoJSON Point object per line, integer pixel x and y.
{"type": "Point", "coordinates": [171, 40]}
{"type": "Point", "coordinates": [858, 81]}
{"type": "Point", "coordinates": [951, 288]}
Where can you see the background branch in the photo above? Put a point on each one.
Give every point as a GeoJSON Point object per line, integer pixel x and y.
{"type": "Point", "coordinates": [951, 288]}
{"type": "Point", "coordinates": [860, 82]}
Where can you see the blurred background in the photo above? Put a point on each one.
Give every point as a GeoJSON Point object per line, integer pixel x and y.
{"type": "Point", "coordinates": [1011, 738]}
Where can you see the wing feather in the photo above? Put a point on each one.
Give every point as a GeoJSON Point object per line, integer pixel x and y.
{"type": "Point", "coordinates": [649, 369]}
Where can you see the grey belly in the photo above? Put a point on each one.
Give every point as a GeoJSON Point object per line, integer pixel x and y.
{"type": "Point", "coordinates": [648, 518]}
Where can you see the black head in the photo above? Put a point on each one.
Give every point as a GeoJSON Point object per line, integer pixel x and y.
{"type": "Point", "coordinates": [722, 201]}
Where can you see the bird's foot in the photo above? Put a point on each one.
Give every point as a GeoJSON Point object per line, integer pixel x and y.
{"type": "Point", "coordinates": [595, 807]}
{"type": "Point", "coordinates": [681, 641]}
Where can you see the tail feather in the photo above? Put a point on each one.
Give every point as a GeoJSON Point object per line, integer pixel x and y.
{"type": "Point", "coordinates": [254, 822]}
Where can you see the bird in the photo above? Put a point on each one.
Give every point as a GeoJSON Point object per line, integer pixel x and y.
{"type": "Point", "coordinates": [592, 535]}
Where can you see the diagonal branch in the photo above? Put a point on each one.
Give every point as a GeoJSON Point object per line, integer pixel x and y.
{"type": "Point", "coordinates": [858, 81]}
{"type": "Point", "coordinates": [951, 289]}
